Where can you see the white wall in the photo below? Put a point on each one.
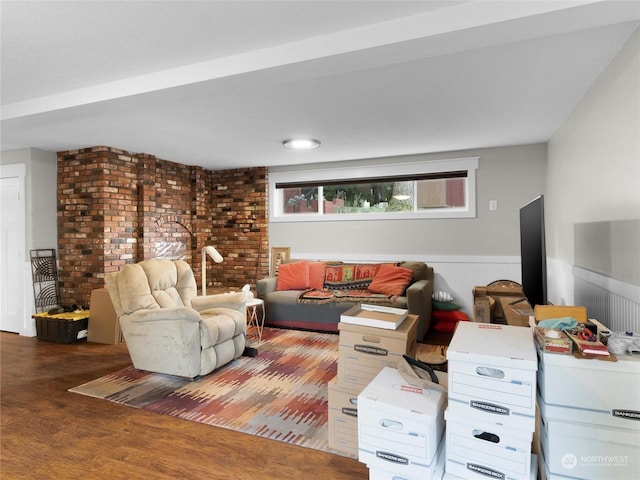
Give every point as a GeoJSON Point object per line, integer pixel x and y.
{"type": "Point", "coordinates": [41, 215]}
{"type": "Point", "coordinates": [593, 192]}
{"type": "Point", "coordinates": [464, 252]}
{"type": "Point", "coordinates": [510, 175]}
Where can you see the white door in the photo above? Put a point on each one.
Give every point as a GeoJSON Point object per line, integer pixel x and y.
{"type": "Point", "coordinates": [12, 245]}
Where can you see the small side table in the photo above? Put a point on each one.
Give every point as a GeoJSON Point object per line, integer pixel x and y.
{"type": "Point", "coordinates": [253, 319]}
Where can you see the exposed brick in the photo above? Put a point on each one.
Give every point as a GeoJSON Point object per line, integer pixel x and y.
{"type": "Point", "coordinates": [115, 207]}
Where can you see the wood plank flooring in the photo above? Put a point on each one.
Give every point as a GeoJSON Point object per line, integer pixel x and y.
{"type": "Point", "coordinates": [49, 433]}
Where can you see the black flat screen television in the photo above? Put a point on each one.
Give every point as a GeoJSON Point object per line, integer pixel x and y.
{"type": "Point", "coordinates": [533, 252]}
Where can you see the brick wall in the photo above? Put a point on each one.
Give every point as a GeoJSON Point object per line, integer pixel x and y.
{"type": "Point", "coordinates": [116, 207]}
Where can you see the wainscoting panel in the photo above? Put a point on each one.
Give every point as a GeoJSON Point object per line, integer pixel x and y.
{"type": "Point", "coordinates": [456, 275]}
{"type": "Point", "coordinates": [613, 303]}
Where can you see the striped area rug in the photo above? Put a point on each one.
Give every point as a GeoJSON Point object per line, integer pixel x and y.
{"type": "Point", "coordinates": [280, 394]}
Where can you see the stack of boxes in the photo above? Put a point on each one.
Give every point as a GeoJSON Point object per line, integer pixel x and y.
{"type": "Point", "coordinates": [490, 418]}
{"type": "Point", "coordinates": [589, 424]}
{"type": "Point", "coordinates": [400, 428]}
{"type": "Point", "coordinates": [363, 353]}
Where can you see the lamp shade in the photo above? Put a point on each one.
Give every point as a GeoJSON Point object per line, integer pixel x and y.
{"type": "Point", "coordinates": [213, 253]}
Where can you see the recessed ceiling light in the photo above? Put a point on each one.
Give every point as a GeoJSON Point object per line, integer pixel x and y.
{"type": "Point", "coordinates": [301, 143]}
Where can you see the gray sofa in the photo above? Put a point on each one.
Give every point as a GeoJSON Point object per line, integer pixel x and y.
{"type": "Point", "coordinates": [289, 308]}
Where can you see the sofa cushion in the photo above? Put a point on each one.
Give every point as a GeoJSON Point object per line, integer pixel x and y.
{"type": "Point", "coordinates": [293, 276]}
{"type": "Point", "coordinates": [445, 305]}
{"type": "Point", "coordinates": [316, 275]}
{"type": "Point", "coordinates": [449, 315]}
{"type": "Point", "coordinates": [391, 280]}
{"type": "Point", "coordinates": [444, 327]}
{"type": "Point", "coordinates": [419, 269]}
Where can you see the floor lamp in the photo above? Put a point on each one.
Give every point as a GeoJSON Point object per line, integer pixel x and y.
{"type": "Point", "coordinates": [213, 253]}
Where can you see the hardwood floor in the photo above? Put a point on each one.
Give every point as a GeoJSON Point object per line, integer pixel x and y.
{"type": "Point", "coordinates": [47, 432]}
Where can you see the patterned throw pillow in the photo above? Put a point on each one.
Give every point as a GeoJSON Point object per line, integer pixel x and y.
{"type": "Point", "coordinates": [347, 276]}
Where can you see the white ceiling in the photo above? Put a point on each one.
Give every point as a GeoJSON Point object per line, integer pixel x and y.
{"type": "Point", "coordinates": [220, 84]}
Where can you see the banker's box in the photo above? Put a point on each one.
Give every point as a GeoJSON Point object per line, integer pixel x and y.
{"type": "Point", "coordinates": [492, 373]}
{"type": "Point", "coordinates": [390, 474]}
{"type": "Point", "coordinates": [364, 351]}
{"type": "Point", "coordinates": [400, 425]}
{"type": "Point", "coordinates": [578, 449]}
{"type": "Point", "coordinates": [533, 472]}
{"type": "Point", "coordinates": [343, 418]}
{"type": "Point", "coordinates": [478, 450]}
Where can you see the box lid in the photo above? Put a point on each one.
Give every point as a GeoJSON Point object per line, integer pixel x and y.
{"type": "Point", "coordinates": [402, 331]}
{"type": "Point", "coordinates": [505, 345]}
{"type": "Point", "coordinates": [393, 393]}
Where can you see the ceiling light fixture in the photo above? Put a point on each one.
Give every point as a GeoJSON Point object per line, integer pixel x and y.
{"type": "Point", "coordinates": [301, 143]}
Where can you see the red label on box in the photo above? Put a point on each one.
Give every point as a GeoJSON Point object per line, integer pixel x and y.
{"type": "Point", "coordinates": [409, 388]}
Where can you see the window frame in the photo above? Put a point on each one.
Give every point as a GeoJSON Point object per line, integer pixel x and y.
{"type": "Point", "coordinates": [377, 172]}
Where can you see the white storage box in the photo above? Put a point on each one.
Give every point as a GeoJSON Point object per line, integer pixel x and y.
{"type": "Point", "coordinates": [399, 426]}
{"type": "Point", "coordinates": [477, 449]}
{"type": "Point", "coordinates": [364, 351]}
{"type": "Point", "coordinates": [343, 418]}
{"type": "Point", "coordinates": [588, 450]}
{"type": "Point", "coordinates": [436, 474]}
{"type": "Point", "coordinates": [609, 391]}
{"type": "Point", "coordinates": [492, 373]}
{"type": "Point", "coordinates": [532, 476]}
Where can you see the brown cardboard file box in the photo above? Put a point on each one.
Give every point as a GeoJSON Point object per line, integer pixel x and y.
{"type": "Point", "coordinates": [104, 326]}
{"type": "Point", "coordinates": [486, 301]}
{"type": "Point", "coordinates": [364, 351]}
{"type": "Point", "coordinates": [343, 418]}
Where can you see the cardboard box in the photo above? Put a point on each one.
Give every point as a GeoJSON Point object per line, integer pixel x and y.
{"type": "Point", "coordinates": [545, 312]}
{"type": "Point", "coordinates": [388, 318]}
{"type": "Point", "coordinates": [391, 474]}
{"type": "Point", "coordinates": [104, 326]}
{"type": "Point", "coordinates": [492, 373]}
{"type": "Point", "coordinates": [400, 425]}
{"type": "Point", "coordinates": [602, 390]}
{"type": "Point", "coordinates": [535, 462]}
{"type": "Point", "coordinates": [343, 418]}
{"type": "Point", "coordinates": [553, 340]}
{"type": "Point", "coordinates": [479, 450]}
{"type": "Point", "coordinates": [364, 351]}
{"type": "Point", "coordinates": [493, 312]}
{"type": "Point", "coordinates": [483, 309]}
{"type": "Point", "coordinates": [587, 450]}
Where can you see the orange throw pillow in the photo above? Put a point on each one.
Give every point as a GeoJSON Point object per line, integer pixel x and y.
{"type": "Point", "coordinates": [391, 280]}
{"type": "Point", "coordinates": [293, 276]}
{"type": "Point", "coordinates": [316, 275]}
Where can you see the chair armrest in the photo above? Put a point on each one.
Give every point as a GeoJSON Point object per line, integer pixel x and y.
{"type": "Point", "coordinates": [419, 303]}
{"type": "Point", "coordinates": [173, 314]}
{"type": "Point", "coordinates": [266, 285]}
{"type": "Point", "coordinates": [235, 301]}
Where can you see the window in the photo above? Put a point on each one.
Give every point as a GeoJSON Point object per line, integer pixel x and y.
{"type": "Point", "coordinates": [428, 189]}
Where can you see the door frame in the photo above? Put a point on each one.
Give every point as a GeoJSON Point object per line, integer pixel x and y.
{"type": "Point", "coordinates": [19, 170]}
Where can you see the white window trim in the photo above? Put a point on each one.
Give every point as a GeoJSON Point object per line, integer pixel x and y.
{"type": "Point", "coordinates": [384, 170]}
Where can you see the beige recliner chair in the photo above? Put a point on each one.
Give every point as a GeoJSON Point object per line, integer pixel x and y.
{"type": "Point", "coordinates": [167, 328]}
